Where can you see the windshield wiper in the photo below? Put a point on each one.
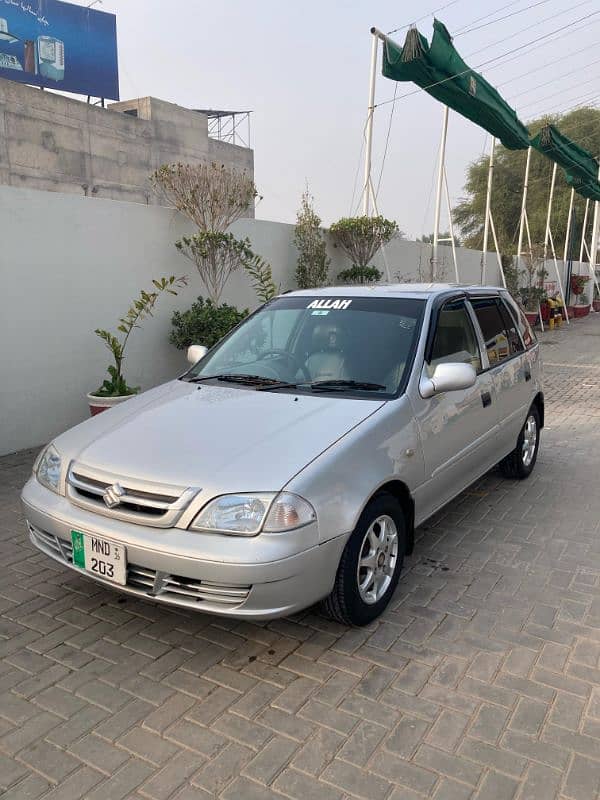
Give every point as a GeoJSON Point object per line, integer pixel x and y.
{"type": "Point", "coordinates": [250, 380]}
{"type": "Point", "coordinates": [341, 384]}
{"type": "Point", "coordinates": [325, 386]}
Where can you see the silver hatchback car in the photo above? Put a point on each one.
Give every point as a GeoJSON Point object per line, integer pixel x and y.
{"type": "Point", "coordinates": [293, 461]}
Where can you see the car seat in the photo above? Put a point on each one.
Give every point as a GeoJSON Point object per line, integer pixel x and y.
{"type": "Point", "coordinates": [326, 361]}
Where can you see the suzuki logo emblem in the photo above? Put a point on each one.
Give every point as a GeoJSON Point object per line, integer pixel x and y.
{"type": "Point", "coordinates": [113, 494]}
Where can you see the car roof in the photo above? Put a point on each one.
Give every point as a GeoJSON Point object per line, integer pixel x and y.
{"type": "Point", "coordinates": [418, 290]}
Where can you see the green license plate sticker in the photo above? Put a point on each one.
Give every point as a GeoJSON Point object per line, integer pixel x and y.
{"type": "Point", "coordinates": [78, 549]}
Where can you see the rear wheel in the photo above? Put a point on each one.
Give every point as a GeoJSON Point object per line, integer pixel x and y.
{"type": "Point", "coordinates": [371, 563]}
{"type": "Point", "coordinates": [520, 463]}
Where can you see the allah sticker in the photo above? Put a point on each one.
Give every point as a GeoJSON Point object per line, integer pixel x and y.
{"type": "Point", "coordinates": [330, 304]}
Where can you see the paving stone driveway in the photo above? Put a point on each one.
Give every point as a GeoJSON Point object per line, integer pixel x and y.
{"type": "Point", "coordinates": [482, 680]}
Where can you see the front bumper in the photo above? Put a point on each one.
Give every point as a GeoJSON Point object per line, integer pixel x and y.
{"type": "Point", "coordinates": [262, 577]}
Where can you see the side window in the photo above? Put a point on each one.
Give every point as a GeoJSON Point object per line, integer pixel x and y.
{"type": "Point", "coordinates": [527, 334]}
{"type": "Point", "coordinates": [495, 335]}
{"type": "Point", "coordinates": [454, 340]}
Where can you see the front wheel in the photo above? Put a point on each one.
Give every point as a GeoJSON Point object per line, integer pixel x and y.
{"type": "Point", "coordinates": [520, 463]}
{"type": "Point", "coordinates": [370, 565]}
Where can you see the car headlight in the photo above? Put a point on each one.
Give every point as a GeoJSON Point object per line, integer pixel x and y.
{"type": "Point", "coordinates": [47, 468]}
{"type": "Point", "coordinates": [247, 514]}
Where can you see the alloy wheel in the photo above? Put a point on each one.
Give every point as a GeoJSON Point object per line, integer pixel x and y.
{"type": "Point", "coordinates": [530, 434]}
{"type": "Point", "coordinates": [377, 559]}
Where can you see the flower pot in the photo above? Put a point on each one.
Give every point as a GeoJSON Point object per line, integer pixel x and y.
{"type": "Point", "coordinates": [596, 305]}
{"type": "Point", "coordinates": [532, 317]}
{"type": "Point", "coordinates": [581, 311]}
{"type": "Point", "coordinates": [98, 404]}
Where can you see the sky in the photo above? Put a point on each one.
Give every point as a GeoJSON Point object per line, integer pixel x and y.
{"type": "Point", "coordinates": [303, 70]}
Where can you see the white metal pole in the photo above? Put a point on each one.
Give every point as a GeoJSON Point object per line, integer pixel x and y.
{"type": "Point", "coordinates": [558, 278]}
{"type": "Point", "coordinates": [595, 234]}
{"type": "Point", "coordinates": [523, 208]}
{"type": "Point", "coordinates": [585, 219]}
{"type": "Point", "coordinates": [488, 200]}
{"type": "Point", "coordinates": [369, 131]}
{"type": "Point", "coordinates": [548, 237]}
{"type": "Point", "coordinates": [438, 196]}
{"type": "Point", "coordinates": [568, 234]}
{"type": "Point", "coordinates": [549, 213]}
{"type": "Point", "coordinates": [451, 226]}
{"type": "Point", "coordinates": [498, 256]}
{"type": "Point", "coordinates": [383, 252]}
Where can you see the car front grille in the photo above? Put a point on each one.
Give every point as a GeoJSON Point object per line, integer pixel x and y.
{"type": "Point", "coordinates": [129, 499]}
{"type": "Point", "coordinates": [151, 583]}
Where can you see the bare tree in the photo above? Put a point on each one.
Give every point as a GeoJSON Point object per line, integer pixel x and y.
{"type": "Point", "coordinates": [212, 195]}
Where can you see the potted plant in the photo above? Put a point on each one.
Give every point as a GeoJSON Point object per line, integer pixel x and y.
{"type": "Point", "coordinates": [115, 388]}
{"type": "Point", "coordinates": [582, 304]}
{"type": "Point", "coordinates": [533, 295]}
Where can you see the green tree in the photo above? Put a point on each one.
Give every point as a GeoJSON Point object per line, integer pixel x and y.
{"type": "Point", "coordinates": [313, 264]}
{"type": "Point", "coordinates": [361, 238]}
{"type": "Point", "coordinates": [582, 126]}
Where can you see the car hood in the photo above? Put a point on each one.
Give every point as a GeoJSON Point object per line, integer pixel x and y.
{"type": "Point", "coordinates": [218, 437]}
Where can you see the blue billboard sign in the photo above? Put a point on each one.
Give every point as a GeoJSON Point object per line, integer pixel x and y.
{"type": "Point", "coordinates": [59, 46]}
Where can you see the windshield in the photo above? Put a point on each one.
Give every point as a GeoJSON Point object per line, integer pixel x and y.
{"type": "Point", "coordinates": [347, 344]}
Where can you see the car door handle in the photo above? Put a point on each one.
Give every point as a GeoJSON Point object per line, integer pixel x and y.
{"type": "Point", "coordinates": [527, 374]}
{"type": "Point", "coordinates": [486, 399]}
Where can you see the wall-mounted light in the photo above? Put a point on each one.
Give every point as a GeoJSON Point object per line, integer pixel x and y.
{"type": "Point", "coordinates": [5, 36]}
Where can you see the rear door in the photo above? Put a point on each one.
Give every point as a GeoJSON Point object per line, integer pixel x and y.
{"type": "Point", "coordinates": [509, 367]}
{"type": "Point", "coordinates": [458, 429]}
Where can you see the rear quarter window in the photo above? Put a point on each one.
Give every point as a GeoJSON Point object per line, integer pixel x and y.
{"type": "Point", "coordinates": [527, 334]}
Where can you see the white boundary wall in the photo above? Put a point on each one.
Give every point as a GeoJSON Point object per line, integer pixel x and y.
{"type": "Point", "coordinates": [71, 264]}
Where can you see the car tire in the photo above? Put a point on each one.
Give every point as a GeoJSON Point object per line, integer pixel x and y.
{"type": "Point", "coordinates": [520, 463]}
{"type": "Point", "coordinates": [378, 543]}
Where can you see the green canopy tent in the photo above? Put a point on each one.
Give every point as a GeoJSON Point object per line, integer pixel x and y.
{"type": "Point", "coordinates": [580, 167]}
{"type": "Point", "coordinates": [442, 73]}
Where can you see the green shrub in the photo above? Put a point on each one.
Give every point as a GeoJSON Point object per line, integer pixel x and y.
{"type": "Point", "coordinates": [204, 323]}
{"type": "Point", "coordinates": [359, 275]}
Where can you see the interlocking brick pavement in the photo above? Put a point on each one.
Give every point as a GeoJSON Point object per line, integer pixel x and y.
{"type": "Point", "coordinates": [481, 681]}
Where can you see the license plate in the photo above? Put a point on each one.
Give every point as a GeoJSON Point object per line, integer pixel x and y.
{"type": "Point", "coordinates": [99, 557]}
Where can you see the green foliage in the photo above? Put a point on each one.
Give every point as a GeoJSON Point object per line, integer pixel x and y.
{"type": "Point", "coordinates": [361, 237]}
{"type": "Point", "coordinates": [582, 126]}
{"type": "Point", "coordinates": [511, 275]}
{"type": "Point", "coordinates": [359, 275]}
{"type": "Point", "coordinates": [217, 255]}
{"type": "Point", "coordinates": [532, 293]}
{"type": "Point", "coordinates": [115, 386]}
{"type": "Point", "coordinates": [313, 264]}
{"type": "Point", "coordinates": [204, 323]}
{"type": "Point", "coordinates": [140, 309]}
{"type": "Point", "coordinates": [262, 278]}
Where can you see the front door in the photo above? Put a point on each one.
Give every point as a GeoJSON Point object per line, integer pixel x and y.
{"type": "Point", "coordinates": [458, 429]}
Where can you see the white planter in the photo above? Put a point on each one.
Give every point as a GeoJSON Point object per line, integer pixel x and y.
{"type": "Point", "coordinates": [98, 404]}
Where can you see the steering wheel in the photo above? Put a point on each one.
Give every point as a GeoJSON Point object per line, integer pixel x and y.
{"type": "Point", "coordinates": [293, 360]}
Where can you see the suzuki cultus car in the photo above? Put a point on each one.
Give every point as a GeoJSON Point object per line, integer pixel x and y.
{"type": "Point", "coordinates": [293, 461]}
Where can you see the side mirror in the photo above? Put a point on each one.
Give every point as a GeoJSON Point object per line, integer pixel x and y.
{"type": "Point", "coordinates": [448, 378]}
{"type": "Point", "coordinates": [195, 352]}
